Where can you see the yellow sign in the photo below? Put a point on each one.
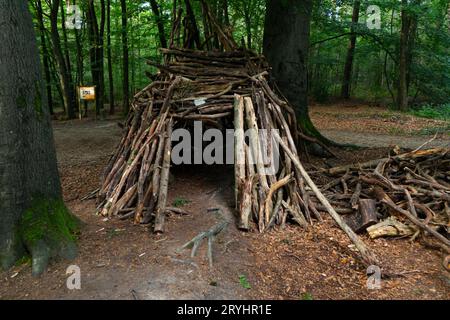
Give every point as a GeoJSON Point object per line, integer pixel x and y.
{"type": "Point", "coordinates": [87, 93]}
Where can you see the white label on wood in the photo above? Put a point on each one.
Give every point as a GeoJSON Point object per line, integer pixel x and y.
{"type": "Point", "coordinates": [199, 102]}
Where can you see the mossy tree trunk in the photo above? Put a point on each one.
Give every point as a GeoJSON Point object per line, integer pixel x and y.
{"type": "Point", "coordinates": [28, 168]}
{"type": "Point", "coordinates": [286, 46]}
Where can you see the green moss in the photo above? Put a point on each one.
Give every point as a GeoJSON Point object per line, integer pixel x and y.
{"type": "Point", "coordinates": [25, 260]}
{"type": "Point", "coordinates": [47, 230]}
{"type": "Point", "coordinates": [49, 221]}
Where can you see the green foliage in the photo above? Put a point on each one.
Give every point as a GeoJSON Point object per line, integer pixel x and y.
{"type": "Point", "coordinates": [307, 296]}
{"type": "Point", "coordinates": [439, 112]}
{"type": "Point", "coordinates": [180, 202]}
{"type": "Point", "coordinates": [244, 282]}
{"type": "Point", "coordinates": [375, 67]}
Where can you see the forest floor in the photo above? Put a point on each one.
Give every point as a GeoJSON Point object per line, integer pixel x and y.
{"type": "Point", "coordinates": [119, 260]}
{"type": "Point", "coordinates": [377, 126]}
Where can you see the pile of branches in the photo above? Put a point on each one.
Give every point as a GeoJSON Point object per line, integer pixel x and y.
{"type": "Point", "coordinates": [403, 195]}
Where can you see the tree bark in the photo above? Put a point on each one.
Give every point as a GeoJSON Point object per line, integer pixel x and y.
{"type": "Point", "coordinates": [45, 53]}
{"type": "Point", "coordinates": [28, 159]}
{"type": "Point", "coordinates": [226, 15]}
{"type": "Point", "coordinates": [66, 81]}
{"type": "Point", "coordinates": [101, 56]}
{"type": "Point", "coordinates": [248, 25]}
{"type": "Point", "coordinates": [286, 45]}
{"type": "Point", "coordinates": [65, 41]}
{"type": "Point", "coordinates": [402, 70]}
{"type": "Point", "coordinates": [345, 90]}
{"type": "Point", "coordinates": [193, 26]}
{"type": "Point", "coordinates": [109, 57]}
{"type": "Point", "coordinates": [80, 60]}
{"type": "Point", "coordinates": [126, 81]}
{"type": "Point", "coordinates": [159, 23]}
{"type": "Point", "coordinates": [96, 33]}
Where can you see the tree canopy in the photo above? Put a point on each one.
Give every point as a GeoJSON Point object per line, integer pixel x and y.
{"type": "Point", "coordinates": [94, 51]}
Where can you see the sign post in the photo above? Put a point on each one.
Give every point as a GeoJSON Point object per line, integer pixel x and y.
{"type": "Point", "coordinates": [85, 94]}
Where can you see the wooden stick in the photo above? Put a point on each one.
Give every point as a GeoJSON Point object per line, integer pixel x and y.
{"type": "Point", "coordinates": [239, 152]}
{"type": "Point", "coordinates": [367, 255]}
{"type": "Point", "coordinates": [384, 198]}
{"type": "Point", "coordinates": [164, 184]}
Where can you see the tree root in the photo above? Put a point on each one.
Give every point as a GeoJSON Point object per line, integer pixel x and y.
{"type": "Point", "coordinates": [47, 231]}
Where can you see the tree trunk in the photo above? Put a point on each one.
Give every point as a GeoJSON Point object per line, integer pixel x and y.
{"type": "Point", "coordinates": [403, 59]}
{"type": "Point", "coordinates": [413, 24]}
{"type": "Point", "coordinates": [345, 90]}
{"type": "Point", "coordinates": [108, 52]}
{"type": "Point", "coordinates": [248, 25]}
{"type": "Point", "coordinates": [80, 62]}
{"type": "Point", "coordinates": [96, 33]}
{"type": "Point", "coordinates": [100, 57]}
{"type": "Point", "coordinates": [226, 15]}
{"type": "Point", "coordinates": [286, 45]}
{"type": "Point", "coordinates": [126, 98]}
{"type": "Point", "coordinates": [29, 179]}
{"type": "Point", "coordinates": [45, 53]}
{"type": "Point", "coordinates": [193, 28]}
{"type": "Point", "coordinates": [66, 82]}
{"type": "Point", "coordinates": [159, 23]}
{"type": "Point", "coordinates": [65, 41]}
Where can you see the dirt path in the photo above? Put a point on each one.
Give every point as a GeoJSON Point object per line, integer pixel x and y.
{"type": "Point", "coordinates": [360, 118]}
{"type": "Point", "coordinates": [374, 140]}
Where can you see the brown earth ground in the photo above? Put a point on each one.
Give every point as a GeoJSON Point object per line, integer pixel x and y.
{"type": "Point", "coordinates": [377, 126]}
{"type": "Point", "coordinates": [119, 260]}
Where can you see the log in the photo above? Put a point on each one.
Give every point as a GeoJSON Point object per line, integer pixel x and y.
{"type": "Point", "coordinates": [245, 203]}
{"type": "Point", "coordinates": [390, 227]}
{"type": "Point", "coordinates": [354, 200]}
{"type": "Point", "coordinates": [366, 216]}
{"type": "Point", "coordinates": [254, 142]}
{"type": "Point", "coordinates": [164, 183]}
{"type": "Point", "coordinates": [239, 152]}
{"type": "Point", "coordinates": [368, 212]}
